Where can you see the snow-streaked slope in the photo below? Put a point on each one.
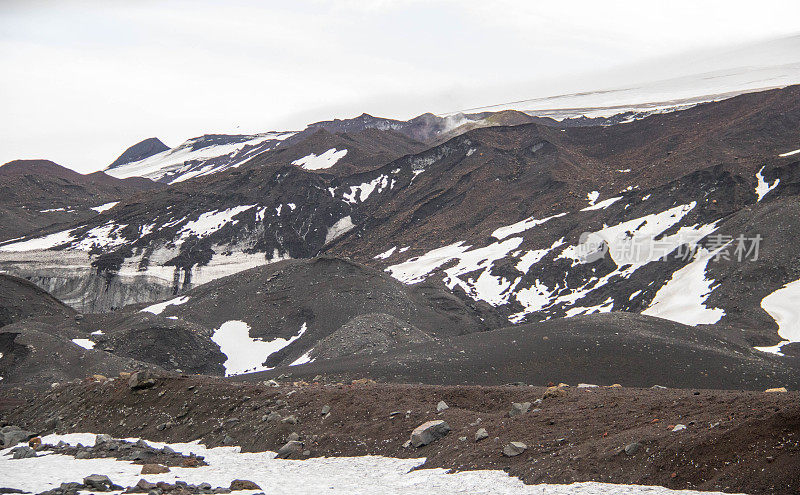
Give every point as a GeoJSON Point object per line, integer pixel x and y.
{"type": "Point", "coordinates": [199, 156]}
{"type": "Point", "coordinates": [330, 475]}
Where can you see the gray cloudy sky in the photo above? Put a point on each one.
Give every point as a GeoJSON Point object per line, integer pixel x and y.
{"type": "Point", "coordinates": [83, 80]}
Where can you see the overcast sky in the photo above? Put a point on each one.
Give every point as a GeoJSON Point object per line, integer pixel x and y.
{"type": "Point", "coordinates": [83, 80]}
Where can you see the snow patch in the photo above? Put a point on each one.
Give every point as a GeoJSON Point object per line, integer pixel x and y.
{"type": "Point", "coordinates": [521, 226]}
{"type": "Point", "coordinates": [782, 307]}
{"type": "Point", "coordinates": [683, 297]}
{"type": "Point", "coordinates": [246, 354]}
{"type": "Point", "coordinates": [762, 188]}
{"type": "Point", "coordinates": [85, 343]}
{"type": "Point", "coordinates": [330, 475]}
{"type": "Point", "coordinates": [386, 253]}
{"type": "Point", "coordinates": [210, 222]}
{"type": "Point", "coordinates": [159, 308]}
{"type": "Point", "coordinates": [318, 162]}
{"type": "Point", "coordinates": [342, 226]}
{"type": "Point", "coordinates": [790, 153]}
{"type": "Point", "coordinates": [107, 206]}
{"type": "Point", "coordinates": [602, 205]}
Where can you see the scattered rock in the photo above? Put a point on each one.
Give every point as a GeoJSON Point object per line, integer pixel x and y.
{"type": "Point", "coordinates": [679, 427]}
{"type": "Point", "coordinates": [12, 435]}
{"type": "Point", "coordinates": [442, 406]}
{"type": "Point", "coordinates": [428, 432]}
{"type": "Point", "coordinates": [99, 482]}
{"type": "Point", "coordinates": [775, 390]}
{"type": "Point", "coordinates": [101, 439]}
{"type": "Point", "coordinates": [481, 434]}
{"type": "Point", "coordinates": [553, 392]}
{"type": "Point", "coordinates": [519, 408]}
{"type": "Point", "coordinates": [587, 385]}
{"type": "Point", "coordinates": [293, 447]}
{"type": "Point", "coordinates": [23, 452]}
{"type": "Point", "coordinates": [292, 420]}
{"type": "Point", "coordinates": [271, 417]}
{"type": "Point", "coordinates": [154, 469]}
{"type": "Point", "coordinates": [141, 380]}
{"type": "Point", "coordinates": [632, 448]}
{"type": "Point", "coordinates": [243, 485]}
{"type": "Point", "coordinates": [293, 437]}
{"type": "Point", "coordinates": [658, 387]}
{"type": "Point", "coordinates": [325, 409]}
{"type": "Point", "coordinates": [514, 448]}
{"type": "Point", "coordinates": [616, 385]}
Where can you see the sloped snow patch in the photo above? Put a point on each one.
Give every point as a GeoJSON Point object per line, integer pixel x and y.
{"type": "Point", "coordinates": [782, 307]}
{"type": "Point", "coordinates": [107, 206]}
{"type": "Point", "coordinates": [40, 243]}
{"type": "Point", "coordinates": [683, 297]}
{"type": "Point", "coordinates": [521, 226]}
{"type": "Point", "coordinates": [762, 188]}
{"type": "Point", "coordinates": [341, 227]}
{"type": "Point", "coordinates": [318, 162]}
{"type": "Point", "coordinates": [789, 153]}
{"type": "Point", "coordinates": [159, 308]}
{"type": "Point", "coordinates": [602, 205]}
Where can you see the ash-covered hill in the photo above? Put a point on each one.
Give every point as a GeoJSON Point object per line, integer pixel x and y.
{"type": "Point", "coordinates": [36, 194]}
{"type": "Point", "coordinates": [600, 349]}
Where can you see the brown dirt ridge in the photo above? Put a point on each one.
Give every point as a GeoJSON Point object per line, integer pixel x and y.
{"type": "Point", "coordinates": [733, 441]}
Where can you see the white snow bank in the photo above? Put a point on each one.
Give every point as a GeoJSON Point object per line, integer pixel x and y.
{"type": "Point", "coordinates": [85, 343]}
{"type": "Point", "coordinates": [107, 206]}
{"type": "Point", "coordinates": [762, 188]}
{"type": "Point", "coordinates": [330, 475]}
{"type": "Point", "coordinates": [158, 308]}
{"type": "Point", "coordinates": [317, 162]}
{"type": "Point", "coordinates": [783, 308]}
{"type": "Point", "coordinates": [246, 354]}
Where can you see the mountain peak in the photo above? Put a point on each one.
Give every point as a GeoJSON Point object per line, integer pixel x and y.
{"type": "Point", "coordinates": [140, 151]}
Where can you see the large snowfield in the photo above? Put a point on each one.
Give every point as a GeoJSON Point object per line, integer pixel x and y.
{"type": "Point", "coordinates": [337, 475]}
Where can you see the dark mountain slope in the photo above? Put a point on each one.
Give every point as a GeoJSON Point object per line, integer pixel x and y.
{"type": "Point", "coordinates": [20, 300]}
{"type": "Point", "coordinates": [139, 151]}
{"type": "Point", "coordinates": [36, 194]}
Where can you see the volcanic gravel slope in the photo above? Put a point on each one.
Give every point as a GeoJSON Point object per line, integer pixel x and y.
{"type": "Point", "coordinates": [36, 194]}
{"type": "Point", "coordinates": [20, 299]}
{"type": "Point", "coordinates": [733, 441]}
{"type": "Point", "coordinates": [603, 349]}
